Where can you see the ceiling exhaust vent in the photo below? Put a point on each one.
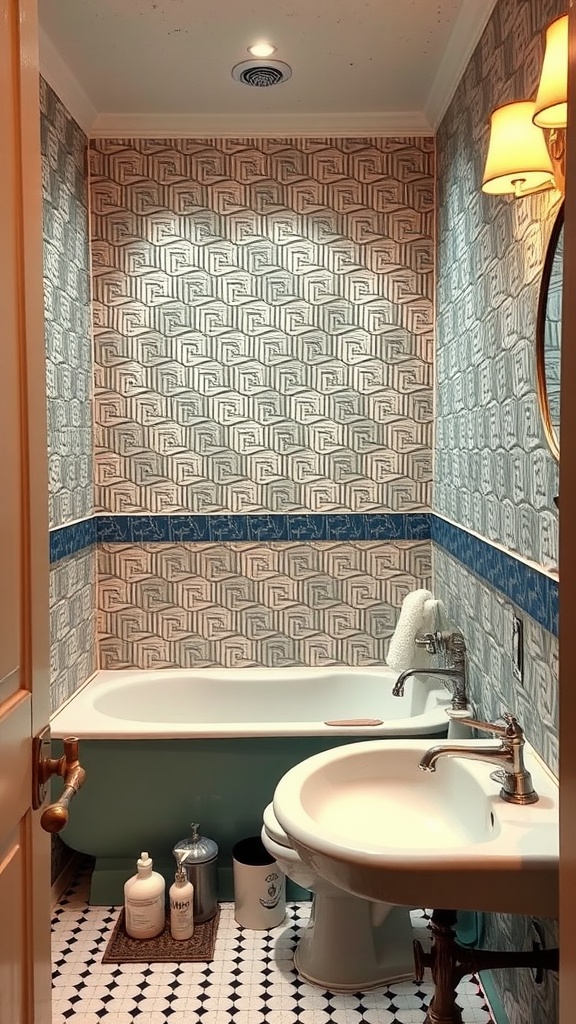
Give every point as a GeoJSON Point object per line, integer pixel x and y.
{"type": "Point", "coordinates": [261, 73]}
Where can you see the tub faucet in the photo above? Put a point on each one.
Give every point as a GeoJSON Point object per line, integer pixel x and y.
{"type": "Point", "coordinates": [517, 785]}
{"type": "Point", "coordinates": [454, 646]}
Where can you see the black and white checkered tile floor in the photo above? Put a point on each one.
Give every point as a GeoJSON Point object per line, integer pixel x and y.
{"type": "Point", "coordinates": [250, 981]}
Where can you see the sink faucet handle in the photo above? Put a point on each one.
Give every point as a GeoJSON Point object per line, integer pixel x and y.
{"type": "Point", "coordinates": [510, 730]}
{"type": "Point", "coordinates": [513, 728]}
{"type": "Point", "coordinates": [429, 641]}
{"type": "Point", "coordinates": [509, 718]}
{"type": "Point", "coordinates": [474, 723]}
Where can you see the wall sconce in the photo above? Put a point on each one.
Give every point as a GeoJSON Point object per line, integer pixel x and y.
{"type": "Point", "coordinates": [526, 152]}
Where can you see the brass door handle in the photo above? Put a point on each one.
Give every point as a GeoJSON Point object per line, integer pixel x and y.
{"type": "Point", "coordinates": [68, 767]}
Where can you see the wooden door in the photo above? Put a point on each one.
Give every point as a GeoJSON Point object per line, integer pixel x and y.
{"type": "Point", "coordinates": [24, 676]}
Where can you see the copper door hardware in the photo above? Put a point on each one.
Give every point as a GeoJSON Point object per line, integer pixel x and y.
{"type": "Point", "coordinates": [68, 767]}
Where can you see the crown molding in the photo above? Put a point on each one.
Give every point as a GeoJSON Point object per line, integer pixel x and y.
{"type": "Point", "coordinates": [65, 85]}
{"type": "Point", "coordinates": [256, 126]}
{"type": "Point", "coordinates": [470, 24]}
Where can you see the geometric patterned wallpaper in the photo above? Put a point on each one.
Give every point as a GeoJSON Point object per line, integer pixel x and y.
{"type": "Point", "coordinates": [67, 311]}
{"type": "Point", "coordinates": [68, 342]}
{"type": "Point", "coordinates": [197, 605]}
{"type": "Point", "coordinates": [523, 1000]}
{"type": "Point", "coordinates": [72, 623]}
{"type": "Point", "coordinates": [263, 317]}
{"type": "Point", "coordinates": [485, 618]}
{"type": "Point", "coordinates": [494, 473]}
{"type": "Point", "coordinates": [493, 470]}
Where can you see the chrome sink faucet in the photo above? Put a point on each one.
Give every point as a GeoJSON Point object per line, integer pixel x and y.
{"type": "Point", "coordinates": [454, 647]}
{"type": "Point", "coordinates": [517, 785]}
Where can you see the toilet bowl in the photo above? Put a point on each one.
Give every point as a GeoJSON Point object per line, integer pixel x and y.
{"type": "Point", "coordinates": [350, 944]}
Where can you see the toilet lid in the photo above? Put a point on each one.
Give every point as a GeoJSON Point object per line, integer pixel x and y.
{"type": "Point", "coordinates": [274, 828]}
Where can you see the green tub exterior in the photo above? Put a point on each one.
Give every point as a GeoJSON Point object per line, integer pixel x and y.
{"type": "Point", "coordinates": [143, 794]}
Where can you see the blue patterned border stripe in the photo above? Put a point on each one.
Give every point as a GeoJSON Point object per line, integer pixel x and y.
{"type": "Point", "coordinates": [178, 529]}
{"type": "Point", "coordinates": [67, 540]}
{"type": "Point", "coordinates": [532, 591]}
{"type": "Point", "coordinates": [182, 528]}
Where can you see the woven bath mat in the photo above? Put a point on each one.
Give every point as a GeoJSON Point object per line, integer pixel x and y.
{"type": "Point", "coordinates": [122, 949]}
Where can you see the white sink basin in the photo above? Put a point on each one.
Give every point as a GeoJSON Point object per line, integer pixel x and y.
{"type": "Point", "coordinates": [366, 818]}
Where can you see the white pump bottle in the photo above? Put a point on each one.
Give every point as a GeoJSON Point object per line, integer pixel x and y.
{"type": "Point", "coordinates": [181, 906]}
{"type": "Point", "coordinates": [144, 901]}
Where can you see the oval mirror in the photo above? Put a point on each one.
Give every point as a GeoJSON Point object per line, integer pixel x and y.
{"type": "Point", "coordinates": [549, 335]}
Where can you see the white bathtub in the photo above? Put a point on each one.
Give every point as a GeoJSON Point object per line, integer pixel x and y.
{"type": "Point", "coordinates": [163, 749]}
{"type": "Point", "coordinates": [182, 704]}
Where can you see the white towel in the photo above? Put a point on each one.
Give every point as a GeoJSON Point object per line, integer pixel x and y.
{"type": "Point", "coordinates": [417, 616]}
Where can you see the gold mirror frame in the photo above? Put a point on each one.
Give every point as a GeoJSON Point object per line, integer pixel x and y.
{"type": "Point", "coordinates": [549, 428]}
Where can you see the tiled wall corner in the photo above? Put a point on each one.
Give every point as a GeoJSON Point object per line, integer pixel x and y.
{"type": "Point", "coordinates": [72, 623]}
{"type": "Point", "coordinates": [244, 604]}
{"type": "Point", "coordinates": [263, 324]}
{"type": "Point", "coordinates": [489, 439]}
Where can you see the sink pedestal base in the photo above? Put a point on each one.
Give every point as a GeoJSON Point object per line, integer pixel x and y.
{"type": "Point", "coordinates": [450, 962]}
{"type": "Point", "coordinates": [443, 961]}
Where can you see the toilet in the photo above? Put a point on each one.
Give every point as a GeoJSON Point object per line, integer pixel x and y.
{"type": "Point", "coordinates": [350, 944]}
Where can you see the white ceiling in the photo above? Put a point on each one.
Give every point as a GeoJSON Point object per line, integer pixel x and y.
{"type": "Point", "coordinates": [149, 66]}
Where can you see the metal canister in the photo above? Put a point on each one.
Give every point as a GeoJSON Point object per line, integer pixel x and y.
{"type": "Point", "coordinates": [199, 856]}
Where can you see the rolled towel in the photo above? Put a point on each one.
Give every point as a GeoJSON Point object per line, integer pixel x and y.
{"type": "Point", "coordinates": [440, 620]}
{"type": "Point", "coordinates": [417, 616]}
{"type": "Point", "coordinates": [430, 613]}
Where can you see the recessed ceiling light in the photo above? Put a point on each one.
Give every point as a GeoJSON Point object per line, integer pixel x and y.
{"type": "Point", "coordinates": [262, 49]}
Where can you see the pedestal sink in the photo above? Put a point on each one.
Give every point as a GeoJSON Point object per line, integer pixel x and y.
{"type": "Point", "coordinates": [367, 819]}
